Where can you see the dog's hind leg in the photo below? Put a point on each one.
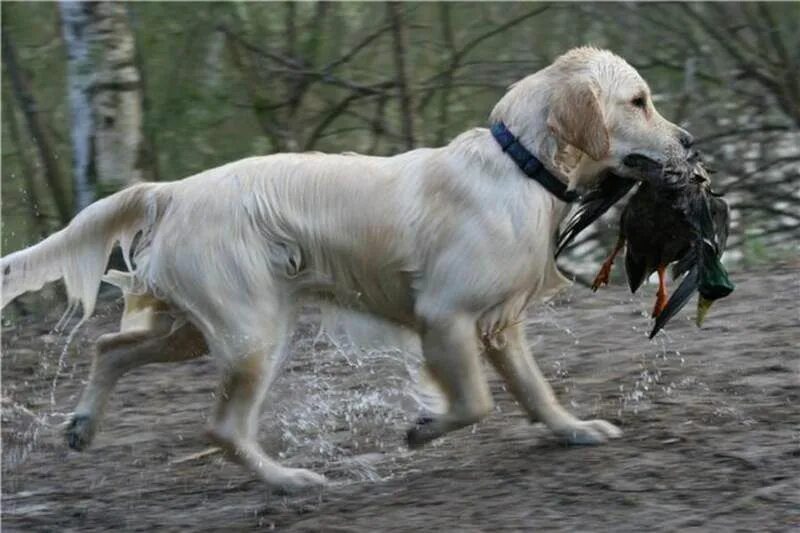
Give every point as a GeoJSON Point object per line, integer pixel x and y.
{"type": "Point", "coordinates": [118, 353]}
{"type": "Point", "coordinates": [249, 371]}
{"type": "Point", "coordinates": [517, 366]}
{"type": "Point", "coordinates": [452, 357]}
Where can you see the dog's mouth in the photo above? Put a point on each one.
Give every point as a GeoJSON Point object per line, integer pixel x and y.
{"type": "Point", "coordinates": [665, 174]}
{"type": "Point", "coordinates": [643, 164]}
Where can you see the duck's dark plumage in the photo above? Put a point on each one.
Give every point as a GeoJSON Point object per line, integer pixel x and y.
{"type": "Point", "coordinates": [655, 232]}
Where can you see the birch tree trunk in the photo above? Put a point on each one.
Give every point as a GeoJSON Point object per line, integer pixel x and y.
{"type": "Point", "coordinates": [105, 98]}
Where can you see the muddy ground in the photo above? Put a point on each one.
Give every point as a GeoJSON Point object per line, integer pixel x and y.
{"type": "Point", "coordinates": [711, 420]}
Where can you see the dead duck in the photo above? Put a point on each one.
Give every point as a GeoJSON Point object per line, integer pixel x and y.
{"type": "Point", "coordinates": [673, 217]}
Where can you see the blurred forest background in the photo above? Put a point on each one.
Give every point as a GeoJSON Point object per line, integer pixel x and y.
{"type": "Point", "coordinates": [97, 95]}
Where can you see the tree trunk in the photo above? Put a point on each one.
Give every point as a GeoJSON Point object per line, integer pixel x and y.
{"type": "Point", "coordinates": [399, 51]}
{"type": "Point", "coordinates": [38, 218]}
{"type": "Point", "coordinates": [22, 92]}
{"type": "Point", "coordinates": [150, 141]}
{"type": "Point", "coordinates": [447, 82]}
{"type": "Point", "coordinates": [105, 98]}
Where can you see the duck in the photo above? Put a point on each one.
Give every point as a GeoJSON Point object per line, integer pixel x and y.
{"type": "Point", "coordinates": [673, 218]}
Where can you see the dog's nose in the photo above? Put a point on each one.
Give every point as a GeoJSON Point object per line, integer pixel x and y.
{"type": "Point", "coordinates": [686, 139]}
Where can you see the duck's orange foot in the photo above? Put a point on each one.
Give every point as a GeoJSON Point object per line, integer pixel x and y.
{"type": "Point", "coordinates": [602, 276]}
{"type": "Point", "coordinates": [661, 303]}
{"type": "Point", "coordinates": [605, 270]}
{"type": "Point", "coordinates": [661, 295]}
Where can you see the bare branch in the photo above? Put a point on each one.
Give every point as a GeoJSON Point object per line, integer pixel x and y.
{"type": "Point", "coordinates": [350, 54]}
{"type": "Point", "coordinates": [459, 55]}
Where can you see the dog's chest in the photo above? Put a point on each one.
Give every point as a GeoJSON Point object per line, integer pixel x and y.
{"type": "Point", "coordinates": [520, 268]}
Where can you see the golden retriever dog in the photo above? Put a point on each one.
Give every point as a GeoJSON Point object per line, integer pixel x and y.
{"type": "Point", "coordinates": [450, 243]}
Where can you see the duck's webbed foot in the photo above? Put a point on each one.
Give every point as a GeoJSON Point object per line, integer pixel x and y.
{"type": "Point", "coordinates": [602, 277]}
{"type": "Point", "coordinates": [661, 295]}
{"type": "Point", "coordinates": [605, 270]}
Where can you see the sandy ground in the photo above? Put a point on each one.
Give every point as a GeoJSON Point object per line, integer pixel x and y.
{"type": "Point", "coordinates": [711, 420]}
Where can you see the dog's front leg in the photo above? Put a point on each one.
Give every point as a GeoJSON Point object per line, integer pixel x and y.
{"type": "Point", "coordinates": [512, 359]}
{"type": "Point", "coordinates": [452, 355]}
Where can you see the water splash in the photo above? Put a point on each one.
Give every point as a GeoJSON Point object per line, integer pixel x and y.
{"type": "Point", "coordinates": [48, 417]}
{"type": "Point", "coordinates": [354, 425]}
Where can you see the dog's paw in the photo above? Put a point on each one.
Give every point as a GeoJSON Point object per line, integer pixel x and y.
{"type": "Point", "coordinates": [421, 432]}
{"type": "Point", "coordinates": [589, 432]}
{"type": "Point", "coordinates": [294, 480]}
{"type": "Point", "coordinates": [80, 432]}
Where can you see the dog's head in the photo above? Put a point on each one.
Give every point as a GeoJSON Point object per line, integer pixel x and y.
{"type": "Point", "coordinates": [586, 113]}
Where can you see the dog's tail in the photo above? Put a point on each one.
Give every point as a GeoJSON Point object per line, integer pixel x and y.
{"type": "Point", "coordinates": [79, 253]}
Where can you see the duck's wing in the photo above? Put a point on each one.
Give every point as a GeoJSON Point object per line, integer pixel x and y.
{"type": "Point", "coordinates": [684, 263]}
{"type": "Point", "coordinates": [592, 206]}
{"type": "Point", "coordinates": [721, 217]}
{"type": "Point", "coordinates": [714, 282]}
{"type": "Point", "coordinates": [710, 215]}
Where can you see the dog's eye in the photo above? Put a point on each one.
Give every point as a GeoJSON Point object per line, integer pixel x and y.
{"type": "Point", "coordinates": [639, 102]}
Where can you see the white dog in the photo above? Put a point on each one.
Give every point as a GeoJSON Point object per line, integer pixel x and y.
{"type": "Point", "coordinates": [451, 243]}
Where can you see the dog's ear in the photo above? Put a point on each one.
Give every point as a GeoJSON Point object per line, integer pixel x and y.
{"type": "Point", "coordinates": [575, 118]}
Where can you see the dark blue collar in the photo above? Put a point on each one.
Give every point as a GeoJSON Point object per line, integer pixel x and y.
{"type": "Point", "coordinates": [532, 167]}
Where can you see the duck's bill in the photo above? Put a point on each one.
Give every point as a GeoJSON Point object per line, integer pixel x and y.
{"type": "Point", "coordinates": [703, 305]}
